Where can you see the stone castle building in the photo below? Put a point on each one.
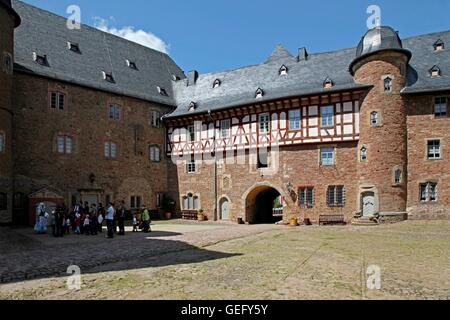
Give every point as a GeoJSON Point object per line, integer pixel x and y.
{"type": "Point", "coordinates": [85, 115]}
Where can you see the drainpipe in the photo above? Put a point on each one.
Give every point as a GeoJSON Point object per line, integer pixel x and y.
{"type": "Point", "coordinates": [215, 166]}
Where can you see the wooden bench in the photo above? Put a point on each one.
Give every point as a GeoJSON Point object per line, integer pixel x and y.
{"type": "Point", "coordinates": [189, 214]}
{"type": "Point", "coordinates": [333, 219]}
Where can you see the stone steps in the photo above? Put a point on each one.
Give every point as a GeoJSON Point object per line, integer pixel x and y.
{"type": "Point", "coordinates": [365, 222]}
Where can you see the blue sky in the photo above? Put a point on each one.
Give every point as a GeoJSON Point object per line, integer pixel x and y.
{"type": "Point", "coordinates": [219, 35]}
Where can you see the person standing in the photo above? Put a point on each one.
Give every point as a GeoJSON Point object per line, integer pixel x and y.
{"type": "Point", "coordinates": [146, 220]}
{"type": "Point", "coordinates": [59, 221]}
{"type": "Point", "coordinates": [101, 217]}
{"type": "Point", "coordinates": [110, 220]}
{"type": "Point", "coordinates": [121, 214]}
{"type": "Point", "coordinates": [94, 220]}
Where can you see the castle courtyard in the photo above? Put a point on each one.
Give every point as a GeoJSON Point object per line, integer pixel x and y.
{"type": "Point", "coordinates": [182, 260]}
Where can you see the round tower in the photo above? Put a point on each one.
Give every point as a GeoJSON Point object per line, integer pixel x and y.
{"type": "Point", "coordinates": [9, 20]}
{"type": "Point", "coordinates": [382, 63]}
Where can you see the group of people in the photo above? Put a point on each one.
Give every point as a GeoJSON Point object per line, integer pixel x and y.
{"type": "Point", "coordinates": [89, 219]}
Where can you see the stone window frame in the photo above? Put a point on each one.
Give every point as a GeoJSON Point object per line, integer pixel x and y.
{"type": "Point", "coordinates": [155, 158]}
{"type": "Point", "coordinates": [380, 119]}
{"type": "Point", "coordinates": [434, 100]}
{"type": "Point", "coordinates": [427, 154]}
{"type": "Point", "coordinates": [64, 135]}
{"type": "Point", "coordinates": [3, 142]}
{"type": "Point", "coordinates": [111, 142]}
{"type": "Point", "coordinates": [360, 154]}
{"type": "Point", "coordinates": [187, 196]}
{"type": "Point", "coordinates": [304, 190]}
{"type": "Point", "coordinates": [428, 183]}
{"type": "Point", "coordinates": [383, 79]}
{"type": "Point", "coordinates": [394, 176]}
{"type": "Point", "coordinates": [59, 90]}
{"type": "Point", "coordinates": [334, 147]}
{"type": "Point", "coordinates": [335, 203]}
{"type": "Point", "coordinates": [136, 197]}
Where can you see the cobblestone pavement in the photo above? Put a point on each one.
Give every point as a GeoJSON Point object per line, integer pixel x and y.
{"type": "Point", "coordinates": [209, 261]}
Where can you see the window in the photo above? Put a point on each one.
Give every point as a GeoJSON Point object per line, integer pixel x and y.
{"type": "Point", "coordinates": [191, 133]}
{"type": "Point", "coordinates": [306, 197]}
{"type": "Point", "coordinates": [328, 83]}
{"type": "Point", "coordinates": [191, 166]}
{"type": "Point", "coordinates": [162, 91]}
{"type": "Point", "coordinates": [216, 84]}
{"type": "Point", "coordinates": [374, 119]}
{"type": "Point", "coordinates": [434, 149]}
{"type": "Point", "coordinates": [108, 77]}
{"type": "Point", "coordinates": [435, 72]}
{"type": "Point", "coordinates": [439, 45]}
{"type": "Point", "coordinates": [336, 196]}
{"type": "Point", "coordinates": [283, 70]}
{"type": "Point", "coordinates": [154, 153]}
{"type": "Point", "coordinates": [2, 142]}
{"type": "Point", "coordinates": [155, 119]}
{"type": "Point", "coordinates": [440, 106]}
{"type": "Point", "coordinates": [259, 93]}
{"type": "Point", "coordinates": [7, 63]}
{"type": "Point", "coordinates": [327, 116]}
{"type": "Point", "coordinates": [363, 154]}
{"type": "Point", "coordinates": [192, 106]}
{"type": "Point", "coordinates": [388, 84]}
{"type": "Point", "coordinates": [132, 65]}
{"type": "Point", "coordinates": [191, 202]}
{"type": "Point", "coordinates": [225, 126]}
{"type": "Point", "coordinates": [3, 201]}
{"type": "Point", "coordinates": [74, 47]}
{"type": "Point", "coordinates": [398, 176]}
{"type": "Point", "coordinates": [429, 192]}
{"type": "Point", "coordinates": [294, 120]}
{"type": "Point", "coordinates": [57, 100]}
{"type": "Point", "coordinates": [42, 60]}
{"type": "Point", "coordinates": [264, 123]}
{"type": "Point", "coordinates": [18, 200]}
{"type": "Point", "coordinates": [115, 112]}
{"type": "Point", "coordinates": [136, 202]}
{"type": "Point", "coordinates": [110, 150]}
{"type": "Point", "coordinates": [65, 144]}
{"type": "Point", "coordinates": [263, 158]}
{"type": "Point", "coordinates": [159, 200]}
{"type": "Point", "coordinates": [327, 157]}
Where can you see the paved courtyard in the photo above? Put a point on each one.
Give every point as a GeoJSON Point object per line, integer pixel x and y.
{"type": "Point", "coordinates": [225, 261]}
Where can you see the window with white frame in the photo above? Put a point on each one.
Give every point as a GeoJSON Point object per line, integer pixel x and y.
{"type": "Point", "coordinates": [191, 202]}
{"type": "Point", "coordinates": [306, 197]}
{"type": "Point", "coordinates": [294, 120]}
{"type": "Point", "coordinates": [115, 112]}
{"type": "Point", "coordinates": [154, 153]}
{"type": "Point", "coordinates": [374, 119]}
{"type": "Point", "coordinates": [336, 196]}
{"type": "Point", "coordinates": [264, 123]}
{"type": "Point", "coordinates": [135, 202]}
{"type": "Point", "coordinates": [110, 150]}
{"type": "Point", "coordinates": [428, 192]}
{"type": "Point", "coordinates": [225, 128]}
{"type": "Point", "coordinates": [155, 119]}
{"type": "Point", "coordinates": [387, 84]}
{"type": "Point", "coordinates": [191, 166]}
{"type": "Point", "coordinates": [327, 116]}
{"type": "Point", "coordinates": [434, 149]}
{"type": "Point", "coordinates": [2, 142]}
{"type": "Point", "coordinates": [440, 106]}
{"type": "Point", "coordinates": [57, 100]}
{"type": "Point", "coordinates": [65, 144]}
{"type": "Point", "coordinates": [327, 156]}
{"type": "Point", "coordinates": [398, 176]}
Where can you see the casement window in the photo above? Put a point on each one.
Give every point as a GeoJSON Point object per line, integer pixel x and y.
{"type": "Point", "coordinates": [3, 201]}
{"type": "Point", "coordinates": [115, 112]}
{"type": "Point", "coordinates": [57, 100]}
{"type": "Point", "coordinates": [65, 144]}
{"type": "Point", "coordinates": [136, 202]}
{"type": "Point", "coordinates": [264, 123]}
{"type": "Point", "coordinates": [191, 133]}
{"type": "Point", "coordinates": [440, 106]}
{"type": "Point", "coordinates": [154, 153]}
{"type": "Point", "coordinates": [336, 196]}
{"type": "Point", "coordinates": [306, 197]}
{"type": "Point", "coordinates": [191, 166]}
{"type": "Point", "coordinates": [155, 119]}
{"type": "Point", "coordinates": [374, 119]}
{"type": "Point", "coordinates": [225, 128]}
{"type": "Point", "coordinates": [191, 202]}
{"type": "Point", "coordinates": [2, 142]}
{"type": "Point", "coordinates": [434, 149]}
{"type": "Point", "coordinates": [428, 192]}
{"type": "Point", "coordinates": [327, 157]}
{"type": "Point", "coordinates": [110, 149]}
{"type": "Point", "coordinates": [294, 120]}
{"type": "Point", "coordinates": [327, 116]}
{"type": "Point", "coordinates": [387, 84]}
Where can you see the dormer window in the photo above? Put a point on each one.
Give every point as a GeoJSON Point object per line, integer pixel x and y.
{"type": "Point", "coordinates": [108, 77]}
{"type": "Point", "coordinates": [216, 84]}
{"type": "Point", "coordinates": [259, 93]}
{"type": "Point", "coordinates": [162, 91]}
{"type": "Point", "coordinates": [388, 84]}
{"type": "Point", "coordinates": [328, 83]}
{"type": "Point", "coordinates": [283, 71]}
{"type": "Point", "coordinates": [175, 78]}
{"type": "Point", "coordinates": [131, 65]}
{"type": "Point", "coordinates": [363, 154]}
{"type": "Point", "coordinates": [192, 106]}
{"type": "Point", "coordinates": [435, 72]}
{"type": "Point", "coordinates": [439, 45]}
{"type": "Point", "coordinates": [74, 47]}
{"type": "Point", "coordinates": [42, 60]}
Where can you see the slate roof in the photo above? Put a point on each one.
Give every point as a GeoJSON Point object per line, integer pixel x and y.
{"type": "Point", "coordinates": [46, 33]}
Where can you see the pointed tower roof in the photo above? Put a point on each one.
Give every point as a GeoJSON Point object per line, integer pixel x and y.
{"type": "Point", "coordinates": [280, 52]}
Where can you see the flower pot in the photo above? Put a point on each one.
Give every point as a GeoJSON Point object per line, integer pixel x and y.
{"type": "Point", "coordinates": [168, 215]}
{"type": "Point", "coordinates": [293, 222]}
{"type": "Point", "coordinates": [201, 217]}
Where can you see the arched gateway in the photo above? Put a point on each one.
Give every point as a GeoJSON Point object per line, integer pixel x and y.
{"type": "Point", "coordinates": [260, 203]}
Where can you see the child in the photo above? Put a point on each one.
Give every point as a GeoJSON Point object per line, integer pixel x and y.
{"type": "Point", "coordinates": [100, 222]}
{"type": "Point", "coordinates": [67, 226]}
{"type": "Point", "coordinates": [86, 225]}
{"type": "Point", "coordinates": [77, 223]}
{"type": "Point", "coordinates": [135, 223]}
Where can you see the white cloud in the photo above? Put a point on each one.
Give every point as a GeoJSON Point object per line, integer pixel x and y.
{"type": "Point", "coordinates": [140, 36]}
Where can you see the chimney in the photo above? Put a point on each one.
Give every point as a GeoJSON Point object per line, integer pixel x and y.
{"type": "Point", "coordinates": [192, 78]}
{"type": "Point", "coordinates": [302, 54]}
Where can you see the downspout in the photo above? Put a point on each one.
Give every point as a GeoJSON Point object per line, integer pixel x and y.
{"type": "Point", "coordinates": [215, 167]}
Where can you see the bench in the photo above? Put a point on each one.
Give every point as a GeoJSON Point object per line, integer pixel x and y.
{"type": "Point", "coordinates": [189, 214]}
{"type": "Point", "coordinates": [334, 219]}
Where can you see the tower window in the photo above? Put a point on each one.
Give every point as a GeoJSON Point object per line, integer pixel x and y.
{"type": "Point", "coordinates": [283, 70]}
{"type": "Point", "coordinates": [388, 84]}
{"type": "Point", "coordinates": [65, 144]}
{"type": "Point", "coordinates": [74, 47]}
{"type": "Point", "coordinates": [363, 154]}
{"type": "Point", "coordinates": [434, 149]}
{"type": "Point", "coordinates": [2, 142]}
{"type": "Point", "coordinates": [57, 100]}
{"type": "Point", "coordinates": [428, 192]}
{"type": "Point", "coordinates": [439, 45]}
{"type": "Point", "coordinates": [216, 84]}
{"type": "Point", "coordinates": [259, 93]}
{"type": "Point", "coordinates": [440, 106]}
{"type": "Point", "coordinates": [435, 72]}
{"type": "Point", "coordinates": [374, 119]}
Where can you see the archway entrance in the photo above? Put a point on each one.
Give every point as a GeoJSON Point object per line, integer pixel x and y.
{"type": "Point", "coordinates": [264, 205]}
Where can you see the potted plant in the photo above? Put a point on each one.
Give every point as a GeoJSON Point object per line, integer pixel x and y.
{"type": "Point", "coordinates": [168, 207]}
{"type": "Point", "coordinates": [201, 215]}
{"type": "Point", "coordinates": [293, 221]}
